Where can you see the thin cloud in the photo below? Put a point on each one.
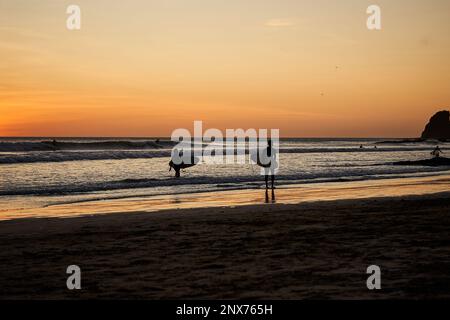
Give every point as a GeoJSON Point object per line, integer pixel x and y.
{"type": "Point", "coordinates": [279, 23]}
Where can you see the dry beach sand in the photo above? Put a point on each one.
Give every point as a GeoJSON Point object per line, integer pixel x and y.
{"type": "Point", "coordinates": [314, 249]}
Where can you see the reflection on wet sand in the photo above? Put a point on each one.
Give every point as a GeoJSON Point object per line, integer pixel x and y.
{"type": "Point", "coordinates": [267, 200]}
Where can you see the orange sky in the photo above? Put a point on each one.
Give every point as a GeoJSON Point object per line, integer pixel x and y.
{"type": "Point", "coordinates": [145, 68]}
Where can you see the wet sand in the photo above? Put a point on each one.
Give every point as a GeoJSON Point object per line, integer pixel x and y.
{"type": "Point", "coordinates": [312, 250]}
{"type": "Point", "coordinates": [223, 199]}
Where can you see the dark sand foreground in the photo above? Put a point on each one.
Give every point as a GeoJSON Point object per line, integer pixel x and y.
{"type": "Point", "coordinates": [308, 250]}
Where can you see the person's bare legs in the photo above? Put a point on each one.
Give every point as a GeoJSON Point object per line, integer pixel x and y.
{"type": "Point", "coordinates": [266, 177]}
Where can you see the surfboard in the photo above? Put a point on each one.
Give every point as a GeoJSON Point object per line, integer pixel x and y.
{"type": "Point", "coordinates": [264, 161]}
{"type": "Point", "coordinates": [194, 161]}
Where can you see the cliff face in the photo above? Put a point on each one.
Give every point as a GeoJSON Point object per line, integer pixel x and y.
{"type": "Point", "coordinates": [438, 127]}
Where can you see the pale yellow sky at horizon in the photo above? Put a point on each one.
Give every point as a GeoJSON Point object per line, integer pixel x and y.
{"type": "Point", "coordinates": [145, 68]}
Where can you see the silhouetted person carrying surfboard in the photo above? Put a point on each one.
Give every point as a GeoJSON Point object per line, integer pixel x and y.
{"type": "Point", "coordinates": [436, 152]}
{"type": "Point", "coordinates": [179, 161]}
{"type": "Point", "coordinates": [270, 171]}
{"type": "Point", "coordinates": [268, 162]}
{"type": "Point", "coordinates": [177, 164]}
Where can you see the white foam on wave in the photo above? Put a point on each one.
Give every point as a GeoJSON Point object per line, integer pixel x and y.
{"type": "Point", "coordinates": [35, 152]}
{"type": "Point", "coordinates": [208, 182]}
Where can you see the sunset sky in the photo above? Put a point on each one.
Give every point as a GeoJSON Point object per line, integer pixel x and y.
{"type": "Point", "coordinates": [147, 67]}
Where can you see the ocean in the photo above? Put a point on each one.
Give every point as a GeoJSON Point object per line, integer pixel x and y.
{"type": "Point", "coordinates": [35, 172]}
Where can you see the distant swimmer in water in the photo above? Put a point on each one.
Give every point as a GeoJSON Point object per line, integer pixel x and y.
{"type": "Point", "coordinates": [361, 147]}
{"type": "Point", "coordinates": [436, 152]}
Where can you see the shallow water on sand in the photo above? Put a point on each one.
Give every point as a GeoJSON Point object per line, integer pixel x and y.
{"type": "Point", "coordinates": [291, 195]}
